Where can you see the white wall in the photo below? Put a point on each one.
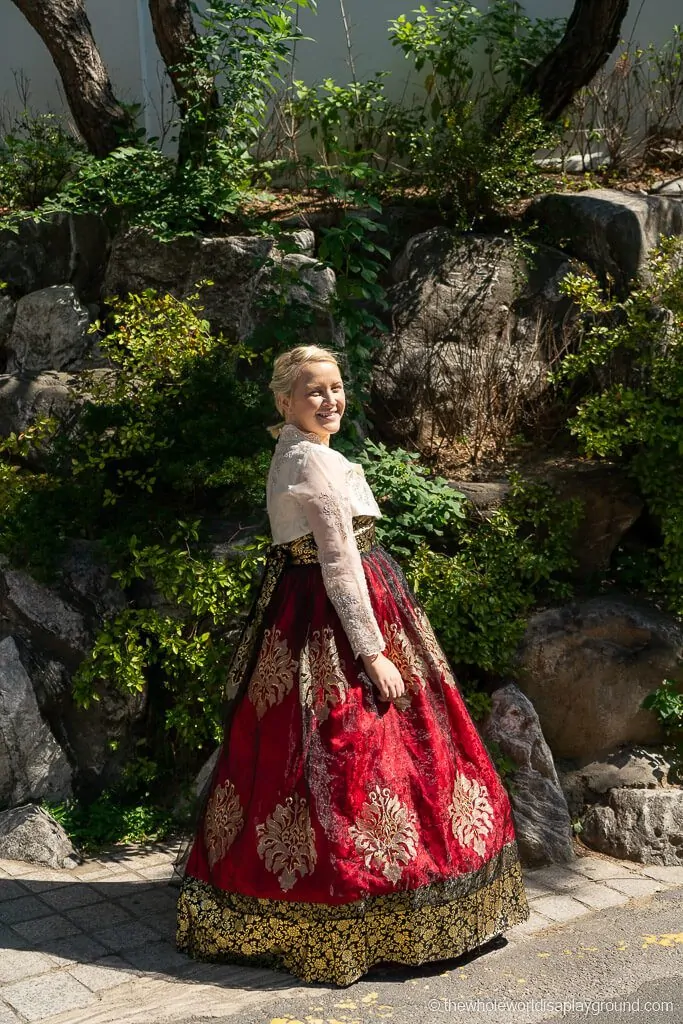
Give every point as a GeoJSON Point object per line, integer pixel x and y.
{"type": "Point", "coordinates": [123, 32]}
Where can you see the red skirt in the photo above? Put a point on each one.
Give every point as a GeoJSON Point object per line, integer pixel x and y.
{"type": "Point", "coordinates": [341, 830]}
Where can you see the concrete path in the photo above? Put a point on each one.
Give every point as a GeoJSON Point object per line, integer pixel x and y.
{"type": "Point", "coordinates": [96, 945]}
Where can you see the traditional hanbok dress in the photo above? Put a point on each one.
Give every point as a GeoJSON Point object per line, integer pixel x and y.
{"type": "Point", "coordinates": [342, 830]}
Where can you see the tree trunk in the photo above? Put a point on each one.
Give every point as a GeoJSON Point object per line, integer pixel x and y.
{"type": "Point", "coordinates": [175, 34]}
{"type": "Point", "coordinates": [176, 38]}
{"type": "Point", "coordinates": [591, 35]}
{"type": "Point", "coordinates": [64, 27]}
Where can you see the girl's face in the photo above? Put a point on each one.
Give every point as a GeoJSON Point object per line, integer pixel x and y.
{"type": "Point", "coordinates": [317, 402]}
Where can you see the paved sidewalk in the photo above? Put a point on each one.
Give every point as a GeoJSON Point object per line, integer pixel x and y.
{"type": "Point", "coordinates": [96, 945]}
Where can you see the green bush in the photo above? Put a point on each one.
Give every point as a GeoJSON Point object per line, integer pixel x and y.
{"type": "Point", "coordinates": [108, 819]}
{"type": "Point", "coordinates": [467, 153]}
{"type": "Point", "coordinates": [628, 373]}
{"type": "Point", "coordinates": [37, 155]}
{"type": "Point", "coordinates": [173, 437]}
{"type": "Point", "coordinates": [478, 595]}
{"type": "Point", "coordinates": [417, 506]}
{"type": "Point", "coordinates": [666, 702]}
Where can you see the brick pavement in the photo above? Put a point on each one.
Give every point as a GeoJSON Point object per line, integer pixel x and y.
{"type": "Point", "coordinates": [96, 945]}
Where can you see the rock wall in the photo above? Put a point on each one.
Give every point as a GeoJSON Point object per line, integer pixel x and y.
{"type": "Point", "coordinates": [467, 314]}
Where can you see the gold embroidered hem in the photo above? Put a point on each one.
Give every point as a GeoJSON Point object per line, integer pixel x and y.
{"type": "Point", "coordinates": [339, 943]}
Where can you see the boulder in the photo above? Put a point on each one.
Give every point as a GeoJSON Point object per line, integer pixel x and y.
{"type": "Point", "coordinates": [55, 627]}
{"type": "Point", "coordinates": [486, 495]}
{"type": "Point", "coordinates": [574, 163]}
{"type": "Point", "coordinates": [87, 577]}
{"type": "Point", "coordinates": [475, 327]}
{"type": "Point", "coordinates": [610, 506]}
{"type": "Point", "coordinates": [99, 739]}
{"type": "Point", "coordinates": [303, 241]}
{"type": "Point", "coordinates": [588, 665]}
{"type": "Point", "coordinates": [26, 396]}
{"type": "Point", "coordinates": [32, 764]}
{"type": "Point", "coordinates": [59, 249]}
{"type": "Point", "coordinates": [632, 767]}
{"type": "Point", "coordinates": [245, 271]}
{"type": "Point", "coordinates": [591, 160]}
{"type": "Point", "coordinates": [8, 308]}
{"type": "Point", "coordinates": [673, 187]}
{"type": "Point", "coordinates": [611, 231]}
{"type": "Point", "coordinates": [300, 281]}
{"type": "Point", "coordinates": [644, 825]}
{"type": "Point", "coordinates": [50, 331]}
{"type": "Point", "coordinates": [542, 823]}
{"type": "Point", "coordinates": [41, 613]}
{"type": "Point", "coordinates": [30, 834]}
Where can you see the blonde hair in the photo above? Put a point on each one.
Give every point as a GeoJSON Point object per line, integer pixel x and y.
{"type": "Point", "coordinates": [286, 369]}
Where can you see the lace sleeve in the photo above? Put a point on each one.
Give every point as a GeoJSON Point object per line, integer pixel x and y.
{"type": "Point", "coordinates": [323, 495]}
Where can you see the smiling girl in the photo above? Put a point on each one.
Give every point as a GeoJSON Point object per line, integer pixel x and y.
{"type": "Point", "coordinates": [354, 815]}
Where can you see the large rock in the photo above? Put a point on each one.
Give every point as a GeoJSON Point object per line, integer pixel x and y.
{"type": "Point", "coordinates": [87, 577]}
{"type": "Point", "coordinates": [99, 739]}
{"type": "Point", "coordinates": [301, 281]}
{"type": "Point", "coordinates": [58, 250]}
{"type": "Point", "coordinates": [246, 271]}
{"type": "Point", "coordinates": [43, 614]}
{"type": "Point", "coordinates": [28, 833]}
{"type": "Point", "coordinates": [32, 764]}
{"type": "Point", "coordinates": [26, 396]}
{"type": "Point", "coordinates": [588, 665]}
{"type": "Point", "coordinates": [50, 331]}
{"type": "Point", "coordinates": [645, 825]}
{"type": "Point", "coordinates": [475, 328]}
{"type": "Point", "coordinates": [55, 627]}
{"type": "Point", "coordinates": [8, 308]}
{"type": "Point", "coordinates": [611, 231]}
{"type": "Point", "coordinates": [633, 767]}
{"type": "Point", "coordinates": [673, 188]}
{"type": "Point", "coordinates": [541, 816]}
{"type": "Point", "coordinates": [609, 505]}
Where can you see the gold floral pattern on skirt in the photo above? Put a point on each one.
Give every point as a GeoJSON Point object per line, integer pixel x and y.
{"type": "Point", "coordinates": [273, 675]}
{"type": "Point", "coordinates": [385, 833]}
{"type": "Point", "coordinates": [326, 670]}
{"type": "Point", "coordinates": [287, 841]}
{"type": "Point", "coordinates": [408, 661]}
{"type": "Point", "coordinates": [339, 943]}
{"type": "Point", "coordinates": [433, 648]}
{"type": "Point", "coordinates": [471, 812]}
{"type": "Point", "coordinates": [222, 822]}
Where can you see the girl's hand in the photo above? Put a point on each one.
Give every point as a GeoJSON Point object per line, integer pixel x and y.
{"type": "Point", "coordinates": [384, 675]}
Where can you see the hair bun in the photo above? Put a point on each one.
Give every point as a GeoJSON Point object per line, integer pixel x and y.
{"type": "Point", "coordinates": [275, 429]}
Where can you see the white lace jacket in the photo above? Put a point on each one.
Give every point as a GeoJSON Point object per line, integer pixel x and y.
{"type": "Point", "coordinates": [314, 489]}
